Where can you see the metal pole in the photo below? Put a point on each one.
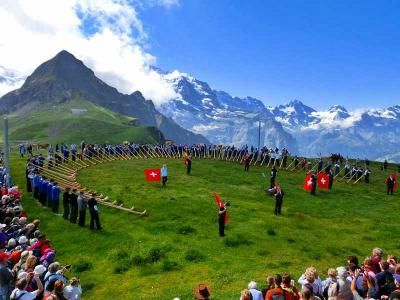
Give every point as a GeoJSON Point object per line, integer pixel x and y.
{"type": "Point", "coordinates": [259, 134]}
{"type": "Point", "coordinates": [6, 148]}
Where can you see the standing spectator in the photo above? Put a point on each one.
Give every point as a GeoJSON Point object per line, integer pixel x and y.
{"type": "Point", "coordinates": [94, 212]}
{"type": "Point", "coordinates": [82, 209]}
{"type": "Point", "coordinates": [288, 287]}
{"type": "Point", "coordinates": [257, 295]}
{"type": "Point", "coordinates": [310, 276]}
{"type": "Point", "coordinates": [6, 277]}
{"type": "Point", "coordinates": [246, 295]}
{"type": "Point", "coordinates": [385, 281]}
{"type": "Point", "coordinates": [73, 291]}
{"type": "Point", "coordinates": [21, 293]}
{"type": "Point", "coordinates": [202, 292]}
{"type": "Point", "coordinates": [277, 292]}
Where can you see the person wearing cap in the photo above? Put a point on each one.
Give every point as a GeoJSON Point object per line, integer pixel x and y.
{"type": "Point", "coordinates": [74, 206]}
{"type": "Point", "coordinates": [94, 212]}
{"type": "Point", "coordinates": [82, 209]}
{"type": "Point", "coordinates": [66, 202]}
{"type": "Point", "coordinates": [23, 242]}
{"type": "Point", "coordinates": [202, 292]}
{"type": "Point", "coordinates": [6, 277]}
{"type": "Point", "coordinates": [73, 291]}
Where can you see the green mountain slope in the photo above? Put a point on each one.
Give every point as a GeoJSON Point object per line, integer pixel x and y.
{"type": "Point", "coordinates": [58, 124]}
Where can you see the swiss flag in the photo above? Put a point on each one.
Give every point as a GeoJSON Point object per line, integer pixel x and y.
{"type": "Point", "coordinates": [394, 176]}
{"type": "Point", "coordinates": [152, 174]}
{"type": "Point", "coordinates": [220, 204]}
{"type": "Point", "coordinates": [307, 185]}
{"type": "Point", "coordinates": [323, 181]}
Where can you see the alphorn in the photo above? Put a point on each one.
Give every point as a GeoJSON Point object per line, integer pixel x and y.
{"type": "Point", "coordinates": [351, 177]}
{"type": "Point", "coordinates": [355, 182]}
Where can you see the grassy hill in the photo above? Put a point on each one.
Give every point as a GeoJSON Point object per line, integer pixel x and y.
{"type": "Point", "coordinates": [177, 246]}
{"type": "Point", "coordinates": [98, 125]}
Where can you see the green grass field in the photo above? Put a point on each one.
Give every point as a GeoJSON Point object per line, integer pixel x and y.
{"type": "Point", "coordinates": [166, 254]}
{"type": "Point", "coordinates": [98, 125]}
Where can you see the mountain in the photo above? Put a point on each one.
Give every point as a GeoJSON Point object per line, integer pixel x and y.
{"type": "Point", "coordinates": [64, 77]}
{"type": "Point", "coordinates": [225, 119]}
{"type": "Point", "coordinates": [76, 120]}
{"type": "Point", "coordinates": [221, 118]}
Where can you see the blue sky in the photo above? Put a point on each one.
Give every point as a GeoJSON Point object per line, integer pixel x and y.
{"type": "Point", "coordinates": [321, 52]}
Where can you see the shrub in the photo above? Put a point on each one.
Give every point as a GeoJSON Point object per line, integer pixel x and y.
{"type": "Point", "coordinates": [121, 267]}
{"type": "Point", "coordinates": [186, 230]}
{"type": "Point", "coordinates": [82, 266]}
{"type": "Point", "coordinates": [87, 286]}
{"type": "Point", "coordinates": [271, 232]}
{"type": "Point", "coordinates": [155, 254]}
{"type": "Point", "coordinates": [138, 260]}
{"type": "Point", "coordinates": [237, 241]}
{"type": "Point", "coordinates": [193, 255]}
{"type": "Point", "coordinates": [169, 265]}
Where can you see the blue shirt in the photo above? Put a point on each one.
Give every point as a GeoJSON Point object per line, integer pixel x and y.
{"type": "Point", "coordinates": [55, 195]}
{"type": "Point", "coordinates": [43, 187]}
{"type": "Point", "coordinates": [49, 190]}
{"type": "Point", "coordinates": [164, 172]}
{"type": "Point", "coordinates": [36, 180]}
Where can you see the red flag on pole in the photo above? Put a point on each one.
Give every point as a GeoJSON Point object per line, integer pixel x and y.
{"type": "Point", "coordinates": [220, 204]}
{"type": "Point", "coordinates": [307, 185]}
{"type": "Point", "coordinates": [394, 176]}
{"type": "Point", "coordinates": [323, 181]}
{"type": "Point", "coordinates": [152, 174]}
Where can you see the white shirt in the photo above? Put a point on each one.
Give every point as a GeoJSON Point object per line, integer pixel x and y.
{"type": "Point", "coordinates": [73, 292]}
{"type": "Point", "coordinates": [27, 295]}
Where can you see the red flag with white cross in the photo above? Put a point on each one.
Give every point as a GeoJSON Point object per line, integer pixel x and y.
{"type": "Point", "coordinates": [152, 174]}
{"type": "Point", "coordinates": [307, 185]}
{"type": "Point", "coordinates": [323, 181]}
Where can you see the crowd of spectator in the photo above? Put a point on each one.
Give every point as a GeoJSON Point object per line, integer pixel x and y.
{"type": "Point", "coordinates": [373, 278]}
{"type": "Point", "coordinates": [28, 266]}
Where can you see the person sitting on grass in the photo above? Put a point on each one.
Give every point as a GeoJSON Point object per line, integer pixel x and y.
{"type": "Point", "coordinates": [202, 292]}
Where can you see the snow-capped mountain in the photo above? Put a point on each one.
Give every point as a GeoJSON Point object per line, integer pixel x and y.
{"type": "Point", "coordinates": [220, 117]}
{"type": "Point", "coordinates": [225, 119]}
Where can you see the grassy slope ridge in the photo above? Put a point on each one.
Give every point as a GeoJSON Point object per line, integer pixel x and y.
{"type": "Point", "coordinates": [182, 229]}
{"type": "Point", "coordinates": [98, 125]}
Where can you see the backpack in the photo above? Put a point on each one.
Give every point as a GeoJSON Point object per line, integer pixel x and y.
{"type": "Point", "coordinates": [280, 296]}
{"type": "Point", "coordinates": [290, 292]}
{"type": "Point", "coordinates": [332, 290]}
{"type": "Point", "coordinates": [17, 298]}
{"type": "Point", "coordinates": [388, 285]}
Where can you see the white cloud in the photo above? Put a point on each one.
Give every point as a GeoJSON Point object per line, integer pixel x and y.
{"type": "Point", "coordinates": [115, 47]}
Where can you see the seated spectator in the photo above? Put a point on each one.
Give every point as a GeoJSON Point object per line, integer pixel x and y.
{"type": "Point", "coordinates": [396, 293]}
